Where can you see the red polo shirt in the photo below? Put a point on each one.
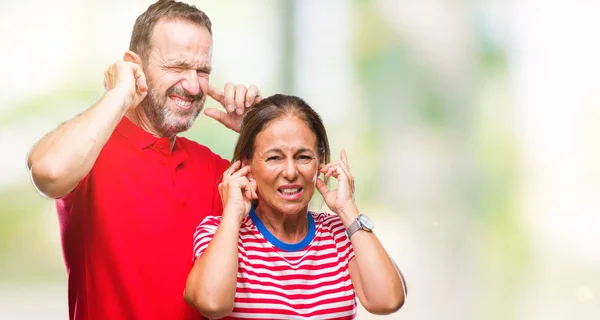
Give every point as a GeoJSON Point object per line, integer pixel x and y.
{"type": "Point", "coordinates": [127, 229]}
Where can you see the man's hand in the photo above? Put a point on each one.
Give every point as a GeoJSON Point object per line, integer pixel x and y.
{"type": "Point", "coordinates": [236, 100]}
{"type": "Point", "coordinates": [128, 79]}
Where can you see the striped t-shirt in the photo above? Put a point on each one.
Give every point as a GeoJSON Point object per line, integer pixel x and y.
{"type": "Point", "coordinates": [276, 280]}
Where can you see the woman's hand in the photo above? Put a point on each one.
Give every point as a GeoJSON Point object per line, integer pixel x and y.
{"type": "Point", "coordinates": [340, 200]}
{"type": "Point", "coordinates": [237, 191]}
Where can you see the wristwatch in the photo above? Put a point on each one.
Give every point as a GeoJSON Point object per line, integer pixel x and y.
{"type": "Point", "coordinates": [361, 222]}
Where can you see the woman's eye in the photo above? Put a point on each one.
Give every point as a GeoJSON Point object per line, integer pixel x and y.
{"type": "Point", "coordinates": [304, 159]}
{"type": "Point", "coordinates": [273, 158]}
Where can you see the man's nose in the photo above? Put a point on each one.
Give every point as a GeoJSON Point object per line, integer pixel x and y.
{"type": "Point", "coordinates": [190, 84]}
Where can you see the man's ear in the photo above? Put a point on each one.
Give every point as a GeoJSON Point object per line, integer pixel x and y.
{"type": "Point", "coordinates": [132, 57]}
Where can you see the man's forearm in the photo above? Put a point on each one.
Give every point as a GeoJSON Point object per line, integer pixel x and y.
{"type": "Point", "coordinates": [66, 155]}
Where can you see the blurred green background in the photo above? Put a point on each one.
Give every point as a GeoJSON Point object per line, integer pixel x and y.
{"type": "Point", "coordinates": [470, 127]}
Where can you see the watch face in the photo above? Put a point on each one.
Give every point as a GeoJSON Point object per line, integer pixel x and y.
{"type": "Point", "coordinates": [365, 222]}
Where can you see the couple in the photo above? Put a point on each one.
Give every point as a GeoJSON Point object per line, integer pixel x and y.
{"type": "Point", "coordinates": [130, 194]}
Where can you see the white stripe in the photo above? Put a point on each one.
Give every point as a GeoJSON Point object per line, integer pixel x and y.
{"type": "Point", "coordinates": [317, 289]}
{"type": "Point", "coordinates": [295, 271]}
{"type": "Point", "coordinates": [284, 283]}
{"type": "Point", "coordinates": [290, 317]}
{"type": "Point", "coordinates": [297, 310]}
{"type": "Point", "coordinates": [349, 294]}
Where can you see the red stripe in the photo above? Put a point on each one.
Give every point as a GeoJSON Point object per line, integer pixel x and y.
{"type": "Point", "coordinates": [307, 295]}
{"type": "Point", "coordinates": [292, 312]}
{"type": "Point", "coordinates": [287, 286]}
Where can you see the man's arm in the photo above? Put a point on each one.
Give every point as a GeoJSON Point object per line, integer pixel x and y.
{"type": "Point", "coordinates": [66, 155]}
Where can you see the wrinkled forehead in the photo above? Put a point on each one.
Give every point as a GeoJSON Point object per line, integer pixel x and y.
{"type": "Point", "coordinates": [286, 133]}
{"type": "Point", "coordinates": [177, 39]}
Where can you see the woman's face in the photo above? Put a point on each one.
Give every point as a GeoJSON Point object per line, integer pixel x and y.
{"type": "Point", "coordinates": [285, 166]}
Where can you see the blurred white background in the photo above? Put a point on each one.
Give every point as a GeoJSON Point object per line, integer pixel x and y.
{"type": "Point", "coordinates": [470, 127]}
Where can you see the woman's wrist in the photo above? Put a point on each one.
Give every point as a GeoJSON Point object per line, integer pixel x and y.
{"type": "Point", "coordinates": [348, 214]}
{"type": "Point", "coordinates": [232, 215]}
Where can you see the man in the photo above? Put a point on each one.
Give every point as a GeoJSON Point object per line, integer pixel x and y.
{"type": "Point", "coordinates": [129, 191]}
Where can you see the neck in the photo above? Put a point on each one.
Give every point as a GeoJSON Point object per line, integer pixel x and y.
{"type": "Point", "coordinates": [140, 119]}
{"type": "Point", "coordinates": [289, 228]}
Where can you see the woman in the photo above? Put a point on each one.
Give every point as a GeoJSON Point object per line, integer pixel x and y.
{"type": "Point", "coordinates": [267, 256]}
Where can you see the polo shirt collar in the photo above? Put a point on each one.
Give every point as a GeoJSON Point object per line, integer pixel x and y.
{"type": "Point", "coordinates": [138, 136]}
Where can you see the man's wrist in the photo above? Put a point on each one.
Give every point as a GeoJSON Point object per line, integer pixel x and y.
{"type": "Point", "coordinates": [120, 98]}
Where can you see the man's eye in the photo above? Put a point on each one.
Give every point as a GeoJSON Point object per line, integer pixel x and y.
{"type": "Point", "coordinates": [177, 69]}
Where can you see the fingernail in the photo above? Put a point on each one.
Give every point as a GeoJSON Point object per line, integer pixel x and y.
{"type": "Point", "coordinates": [229, 108]}
{"type": "Point", "coordinates": [239, 111]}
{"type": "Point", "coordinates": [247, 104]}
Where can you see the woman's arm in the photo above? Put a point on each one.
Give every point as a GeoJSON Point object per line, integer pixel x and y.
{"type": "Point", "coordinates": [210, 286]}
{"type": "Point", "coordinates": [378, 283]}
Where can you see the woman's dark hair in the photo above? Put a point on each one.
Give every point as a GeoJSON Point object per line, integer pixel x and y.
{"type": "Point", "coordinates": [273, 108]}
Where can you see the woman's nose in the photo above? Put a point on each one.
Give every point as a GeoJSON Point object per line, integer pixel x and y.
{"type": "Point", "coordinates": [290, 170]}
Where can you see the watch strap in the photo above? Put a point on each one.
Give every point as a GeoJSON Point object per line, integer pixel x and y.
{"type": "Point", "coordinates": [353, 227]}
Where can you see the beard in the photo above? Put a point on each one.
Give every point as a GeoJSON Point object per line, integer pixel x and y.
{"type": "Point", "coordinates": [169, 122]}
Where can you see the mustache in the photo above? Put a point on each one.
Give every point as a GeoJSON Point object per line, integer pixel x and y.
{"type": "Point", "coordinates": [182, 93]}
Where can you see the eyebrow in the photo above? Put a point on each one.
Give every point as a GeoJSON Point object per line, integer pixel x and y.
{"type": "Point", "coordinates": [185, 65]}
{"type": "Point", "coordinates": [301, 150]}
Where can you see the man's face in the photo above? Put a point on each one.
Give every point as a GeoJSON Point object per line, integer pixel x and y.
{"type": "Point", "coordinates": [177, 73]}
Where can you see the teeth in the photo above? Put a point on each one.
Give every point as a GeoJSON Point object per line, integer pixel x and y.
{"type": "Point", "coordinates": [290, 190]}
{"type": "Point", "coordinates": [182, 103]}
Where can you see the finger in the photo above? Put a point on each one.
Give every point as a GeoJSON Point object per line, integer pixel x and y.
{"type": "Point", "coordinates": [329, 165]}
{"type": "Point", "coordinates": [248, 190]}
{"type": "Point", "coordinates": [345, 169]}
{"type": "Point", "coordinates": [218, 115]}
{"type": "Point", "coordinates": [322, 187]}
{"type": "Point", "coordinates": [240, 96]}
{"type": "Point", "coordinates": [251, 96]}
{"type": "Point", "coordinates": [229, 93]}
{"type": "Point", "coordinates": [336, 171]}
{"type": "Point", "coordinates": [243, 172]}
{"type": "Point", "coordinates": [216, 94]}
{"type": "Point", "coordinates": [330, 171]}
{"type": "Point", "coordinates": [231, 169]}
{"type": "Point", "coordinates": [140, 78]}
{"type": "Point", "coordinates": [254, 187]}
{"type": "Point", "coordinates": [341, 174]}
{"type": "Point", "coordinates": [344, 157]}
{"type": "Point", "coordinates": [244, 186]}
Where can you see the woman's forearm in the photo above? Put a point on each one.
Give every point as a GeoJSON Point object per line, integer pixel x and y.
{"type": "Point", "coordinates": [378, 282]}
{"type": "Point", "coordinates": [211, 284]}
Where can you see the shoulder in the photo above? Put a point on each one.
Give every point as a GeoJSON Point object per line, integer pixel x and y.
{"type": "Point", "coordinates": [203, 153]}
{"type": "Point", "coordinates": [327, 220]}
{"type": "Point", "coordinates": [193, 146]}
{"type": "Point", "coordinates": [211, 221]}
